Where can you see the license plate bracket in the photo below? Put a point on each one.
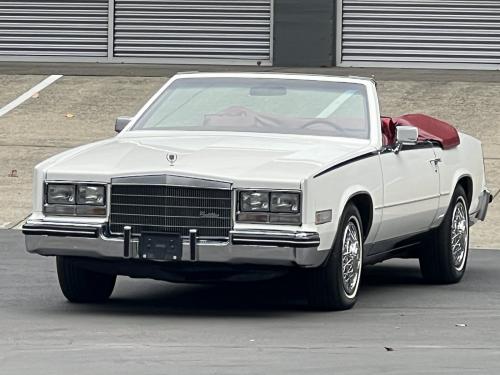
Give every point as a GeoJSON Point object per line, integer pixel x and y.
{"type": "Point", "coordinates": [160, 246]}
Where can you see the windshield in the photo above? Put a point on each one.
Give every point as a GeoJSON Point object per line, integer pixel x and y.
{"type": "Point", "coordinates": [262, 105]}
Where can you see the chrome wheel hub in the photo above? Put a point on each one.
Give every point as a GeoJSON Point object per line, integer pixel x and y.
{"type": "Point", "coordinates": [351, 257]}
{"type": "Point", "coordinates": [459, 234]}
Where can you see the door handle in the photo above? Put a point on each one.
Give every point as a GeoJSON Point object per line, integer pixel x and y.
{"type": "Point", "coordinates": [435, 161]}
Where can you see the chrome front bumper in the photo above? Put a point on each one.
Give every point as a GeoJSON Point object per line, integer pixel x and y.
{"type": "Point", "coordinates": [244, 246]}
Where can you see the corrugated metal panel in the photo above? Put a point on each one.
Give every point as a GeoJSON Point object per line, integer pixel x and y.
{"type": "Point", "coordinates": [198, 29]}
{"type": "Point", "coordinates": [54, 28]}
{"type": "Point", "coordinates": [424, 31]}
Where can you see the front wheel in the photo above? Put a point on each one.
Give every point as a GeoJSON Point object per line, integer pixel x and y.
{"type": "Point", "coordinates": [81, 285]}
{"type": "Point", "coordinates": [334, 286]}
{"type": "Point", "coordinates": [444, 257]}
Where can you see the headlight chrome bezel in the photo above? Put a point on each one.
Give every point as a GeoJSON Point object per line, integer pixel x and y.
{"type": "Point", "coordinates": [274, 206]}
{"type": "Point", "coordinates": [71, 188]}
{"type": "Point", "coordinates": [85, 199]}
{"type": "Point", "coordinates": [249, 195]}
{"type": "Point", "coordinates": [75, 206]}
{"type": "Point", "coordinates": [269, 215]}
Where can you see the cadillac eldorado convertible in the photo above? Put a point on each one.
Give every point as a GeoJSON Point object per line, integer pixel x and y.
{"type": "Point", "coordinates": [242, 176]}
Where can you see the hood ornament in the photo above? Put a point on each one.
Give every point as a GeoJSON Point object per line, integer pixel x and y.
{"type": "Point", "coordinates": [172, 158]}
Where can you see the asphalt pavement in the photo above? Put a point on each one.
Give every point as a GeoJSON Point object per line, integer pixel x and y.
{"type": "Point", "coordinates": [167, 70]}
{"type": "Point", "coordinates": [399, 326]}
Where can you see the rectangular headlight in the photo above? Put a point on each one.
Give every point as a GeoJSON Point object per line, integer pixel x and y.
{"type": "Point", "coordinates": [64, 199]}
{"type": "Point", "coordinates": [93, 195]}
{"type": "Point", "coordinates": [273, 207]}
{"type": "Point", "coordinates": [252, 201]}
{"type": "Point", "coordinates": [60, 194]}
{"type": "Point", "coordinates": [285, 202]}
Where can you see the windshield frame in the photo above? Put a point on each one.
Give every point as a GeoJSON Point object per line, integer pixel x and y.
{"type": "Point", "coordinates": [371, 96]}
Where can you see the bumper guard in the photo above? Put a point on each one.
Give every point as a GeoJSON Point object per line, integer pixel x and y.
{"type": "Point", "coordinates": [244, 246]}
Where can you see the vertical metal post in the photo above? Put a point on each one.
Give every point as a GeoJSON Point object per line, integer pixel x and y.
{"type": "Point", "coordinates": [111, 29]}
{"type": "Point", "coordinates": [127, 240]}
{"type": "Point", "coordinates": [338, 34]}
{"type": "Point", "coordinates": [193, 244]}
{"type": "Point", "coordinates": [271, 33]}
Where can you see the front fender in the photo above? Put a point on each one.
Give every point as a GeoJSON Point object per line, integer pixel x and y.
{"type": "Point", "coordinates": [334, 189]}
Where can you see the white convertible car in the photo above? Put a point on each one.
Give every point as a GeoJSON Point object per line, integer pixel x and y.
{"type": "Point", "coordinates": [237, 176]}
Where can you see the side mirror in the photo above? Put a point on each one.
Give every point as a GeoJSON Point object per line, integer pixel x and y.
{"type": "Point", "coordinates": [121, 123]}
{"type": "Point", "coordinates": [406, 135]}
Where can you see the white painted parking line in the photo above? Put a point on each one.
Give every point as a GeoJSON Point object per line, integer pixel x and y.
{"type": "Point", "coordinates": [28, 94]}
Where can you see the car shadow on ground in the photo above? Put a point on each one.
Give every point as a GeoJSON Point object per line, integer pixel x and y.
{"type": "Point", "coordinates": [285, 295]}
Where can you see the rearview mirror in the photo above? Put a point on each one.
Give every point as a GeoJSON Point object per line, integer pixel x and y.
{"type": "Point", "coordinates": [267, 91]}
{"type": "Point", "coordinates": [121, 122]}
{"type": "Point", "coordinates": [406, 135]}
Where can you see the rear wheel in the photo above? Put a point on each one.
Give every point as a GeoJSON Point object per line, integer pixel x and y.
{"type": "Point", "coordinates": [81, 285]}
{"type": "Point", "coordinates": [444, 257]}
{"type": "Point", "coordinates": [334, 286]}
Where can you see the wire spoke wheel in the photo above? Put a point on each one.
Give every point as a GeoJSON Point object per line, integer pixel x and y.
{"type": "Point", "coordinates": [351, 256]}
{"type": "Point", "coordinates": [459, 234]}
{"type": "Point", "coordinates": [334, 285]}
{"type": "Point", "coordinates": [443, 257]}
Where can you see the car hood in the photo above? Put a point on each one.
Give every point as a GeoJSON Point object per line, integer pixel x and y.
{"type": "Point", "coordinates": [227, 156]}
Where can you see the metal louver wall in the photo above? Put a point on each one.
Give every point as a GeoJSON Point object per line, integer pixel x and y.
{"type": "Point", "coordinates": [193, 29]}
{"type": "Point", "coordinates": [54, 28]}
{"type": "Point", "coordinates": [451, 33]}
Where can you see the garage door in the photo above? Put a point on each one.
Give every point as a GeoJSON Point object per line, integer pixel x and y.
{"type": "Point", "coordinates": [54, 28]}
{"type": "Point", "coordinates": [451, 33]}
{"type": "Point", "coordinates": [193, 29]}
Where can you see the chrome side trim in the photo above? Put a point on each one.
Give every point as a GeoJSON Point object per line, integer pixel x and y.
{"type": "Point", "coordinates": [413, 201]}
{"type": "Point", "coordinates": [59, 224]}
{"type": "Point", "coordinates": [60, 229]}
{"type": "Point", "coordinates": [275, 238]}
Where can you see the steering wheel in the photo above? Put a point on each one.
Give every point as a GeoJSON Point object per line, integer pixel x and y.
{"type": "Point", "coordinates": [322, 121]}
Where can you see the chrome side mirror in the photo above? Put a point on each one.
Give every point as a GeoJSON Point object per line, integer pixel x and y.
{"type": "Point", "coordinates": [405, 135]}
{"type": "Point", "coordinates": [121, 122]}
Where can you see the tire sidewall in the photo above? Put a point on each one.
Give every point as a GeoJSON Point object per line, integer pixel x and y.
{"type": "Point", "coordinates": [335, 263]}
{"type": "Point", "coordinates": [458, 195]}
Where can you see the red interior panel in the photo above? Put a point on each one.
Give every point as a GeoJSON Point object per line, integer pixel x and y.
{"type": "Point", "coordinates": [429, 128]}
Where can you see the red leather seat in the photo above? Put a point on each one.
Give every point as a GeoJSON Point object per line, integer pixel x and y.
{"type": "Point", "coordinates": [388, 131]}
{"type": "Point", "coordinates": [429, 128]}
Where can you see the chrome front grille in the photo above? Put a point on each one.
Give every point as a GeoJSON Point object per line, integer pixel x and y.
{"type": "Point", "coordinates": [172, 209]}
